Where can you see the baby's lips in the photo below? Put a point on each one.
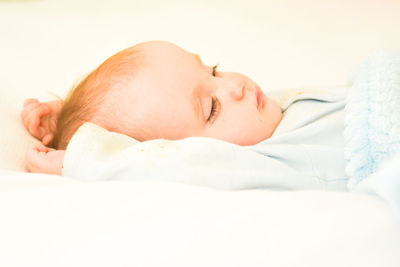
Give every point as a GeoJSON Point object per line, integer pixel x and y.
{"type": "Point", "coordinates": [259, 98]}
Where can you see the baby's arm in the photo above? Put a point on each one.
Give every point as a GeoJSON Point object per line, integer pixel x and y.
{"type": "Point", "coordinates": [42, 159]}
{"type": "Point", "coordinates": [40, 119]}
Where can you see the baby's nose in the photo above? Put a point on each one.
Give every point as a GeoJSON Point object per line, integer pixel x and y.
{"type": "Point", "coordinates": [237, 90]}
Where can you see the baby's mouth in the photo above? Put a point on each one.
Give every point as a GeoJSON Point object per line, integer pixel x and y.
{"type": "Point", "coordinates": [260, 98]}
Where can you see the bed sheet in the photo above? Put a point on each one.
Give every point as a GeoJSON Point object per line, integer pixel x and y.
{"type": "Point", "coordinates": [165, 224]}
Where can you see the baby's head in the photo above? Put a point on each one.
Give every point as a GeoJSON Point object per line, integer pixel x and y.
{"type": "Point", "coordinates": [158, 90]}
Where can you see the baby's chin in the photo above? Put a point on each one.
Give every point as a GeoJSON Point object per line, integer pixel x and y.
{"type": "Point", "coordinates": [253, 138]}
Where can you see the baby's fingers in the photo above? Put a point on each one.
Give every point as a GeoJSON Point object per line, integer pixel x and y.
{"type": "Point", "coordinates": [37, 158]}
{"type": "Point", "coordinates": [34, 109]}
{"type": "Point", "coordinates": [34, 159]}
{"type": "Point", "coordinates": [44, 160]}
{"type": "Point", "coordinates": [33, 118]}
{"type": "Point", "coordinates": [42, 148]}
{"type": "Point", "coordinates": [29, 106]}
{"type": "Point", "coordinates": [47, 139]}
{"type": "Point", "coordinates": [30, 101]}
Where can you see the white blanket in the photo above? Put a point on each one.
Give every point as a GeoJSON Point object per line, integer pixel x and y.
{"type": "Point", "coordinates": [148, 224]}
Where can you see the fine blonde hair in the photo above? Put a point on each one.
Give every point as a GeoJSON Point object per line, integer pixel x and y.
{"type": "Point", "coordinates": [83, 102]}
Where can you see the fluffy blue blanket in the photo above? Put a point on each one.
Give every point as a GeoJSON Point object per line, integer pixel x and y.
{"type": "Point", "coordinates": [372, 127]}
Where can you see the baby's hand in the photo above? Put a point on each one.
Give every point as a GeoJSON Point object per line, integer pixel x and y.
{"type": "Point", "coordinates": [40, 119]}
{"type": "Point", "coordinates": [42, 159]}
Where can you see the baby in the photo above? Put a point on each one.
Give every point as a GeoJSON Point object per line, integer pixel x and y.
{"type": "Point", "coordinates": [159, 94]}
{"type": "Point", "coordinates": [150, 91]}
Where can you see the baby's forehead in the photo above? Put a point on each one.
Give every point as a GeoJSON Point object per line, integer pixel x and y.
{"type": "Point", "coordinates": [140, 69]}
{"type": "Point", "coordinates": [151, 52]}
{"type": "Point", "coordinates": [164, 51]}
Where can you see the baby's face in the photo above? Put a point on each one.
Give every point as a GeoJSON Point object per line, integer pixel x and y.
{"type": "Point", "coordinates": [174, 96]}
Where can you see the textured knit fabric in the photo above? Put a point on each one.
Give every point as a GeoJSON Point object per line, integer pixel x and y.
{"type": "Point", "coordinates": [372, 122]}
{"type": "Point", "coordinates": [372, 128]}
